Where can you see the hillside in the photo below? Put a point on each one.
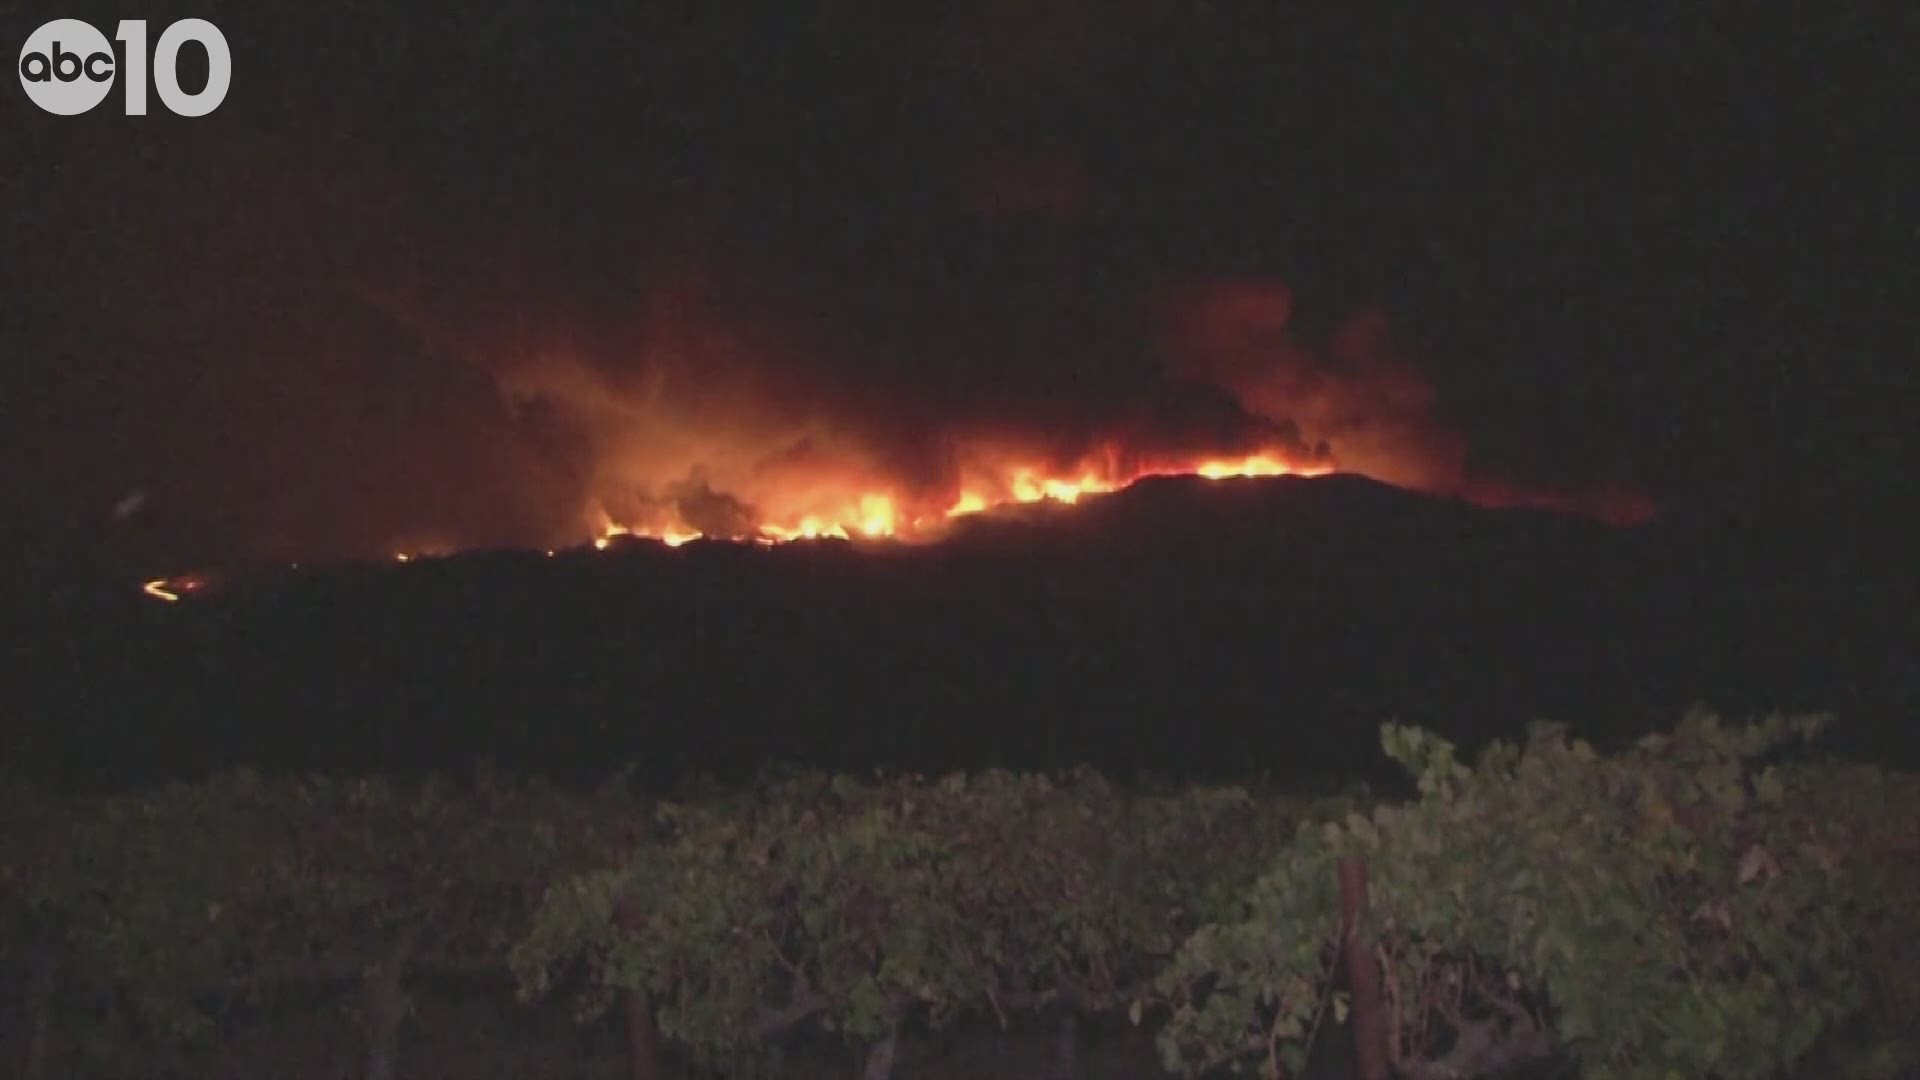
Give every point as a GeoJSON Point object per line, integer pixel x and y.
{"type": "Point", "coordinates": [1181, 625]}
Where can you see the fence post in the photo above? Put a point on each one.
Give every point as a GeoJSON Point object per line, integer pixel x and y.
{"type": "Point", "coordinates": [1363, 973]}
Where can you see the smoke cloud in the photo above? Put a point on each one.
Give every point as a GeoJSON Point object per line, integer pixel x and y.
{"type": "Point", "coordinates": [342, 376]}
{"type": "Point", "coordinates": [715, 422]}
{"type": "Point", "coordinates": [1358, 393]}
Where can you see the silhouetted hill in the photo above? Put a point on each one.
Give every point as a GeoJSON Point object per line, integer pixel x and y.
{"type": "Point", "coordinates": [1182, 625]}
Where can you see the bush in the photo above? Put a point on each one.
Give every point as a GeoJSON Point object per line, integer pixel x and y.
{"type": "Point", "coordinates": [853, 906]}
{"type": "Point", "coordinates": [1712, 902]}
{"type": "Point", "coordinates": [1687, 908]}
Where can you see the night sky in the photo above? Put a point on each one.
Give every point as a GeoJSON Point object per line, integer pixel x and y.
{"type": "Point", "coordinates": [1669, 253]}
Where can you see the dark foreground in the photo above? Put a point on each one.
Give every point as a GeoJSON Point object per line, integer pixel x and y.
{"type": "Point", "coordinates": [463, 1033]}
{"type": "Point", "coordinates": [1182, 626]}
{"type": "Point", "coordinates": [1719, 899]}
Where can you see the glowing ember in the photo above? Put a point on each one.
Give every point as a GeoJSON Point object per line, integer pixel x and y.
{"type": "Point", "coordinates": [174, 589]}
{"type": "Point", "coordinates": [1257, 465]}
{"type": "Point", "coordinates": [864, 510]}
{"type": "Point", "coordinates": [684, 454]}
{"type": "Point", "coordinates": [876, 513]}
{"type": "Point", "coordinates": [824, 513]}
{"type": "Point", "coordinates": [1029, 487]}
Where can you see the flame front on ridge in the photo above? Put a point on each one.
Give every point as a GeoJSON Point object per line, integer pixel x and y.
{"type": "Point", "coordinates": [857, 514]}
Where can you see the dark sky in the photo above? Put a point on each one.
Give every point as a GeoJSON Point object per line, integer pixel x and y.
{"type": "Point", "coordinates": [1673, 252]}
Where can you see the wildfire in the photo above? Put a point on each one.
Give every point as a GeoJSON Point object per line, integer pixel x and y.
{"type": "Point", "coordinates": [174, 589]}
{"type": "Point", "coordinates": [897, 515]}
{"type": "Point", "coordinates": [825, 511]}
{"type": "Point", "coordinates": [702, 433]}
{"type": "Point", "coordinates": [1257, 465]}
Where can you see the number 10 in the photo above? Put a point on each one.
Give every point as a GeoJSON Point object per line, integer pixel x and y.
{"type": "Point", "coordinates": [166, 62]}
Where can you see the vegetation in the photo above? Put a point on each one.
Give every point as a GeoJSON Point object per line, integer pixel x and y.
{"type": "Point", "coordinates": [1713, 902]}
{"type": "Point", "coordinates": [1683, 909]}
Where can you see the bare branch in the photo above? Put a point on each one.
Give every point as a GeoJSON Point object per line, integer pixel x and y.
{"type": "Point", "coordinates": [802, 1006]}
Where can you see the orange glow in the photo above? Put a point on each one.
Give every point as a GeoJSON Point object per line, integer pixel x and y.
{"type": "Point", "coordinates": [828, 506]}
{"type": "Point", "coordinates": [861, 507]}
{"type": "Point", "coordinates": [174, 589]}
{"type": "Point", "coordinates": [970, 503]}
{"type": "Point", "coordinates": [1028, 485]}
{"type": "Point", "coordinates": [703, 437]}
{"type": "Point", "coordinates": [1257, 465]}
{"type": "Point", "coordinates": [810, 527]}
{"type": "Point", "coordinates": [716, 443]}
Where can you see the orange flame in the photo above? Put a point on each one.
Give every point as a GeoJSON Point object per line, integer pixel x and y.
{"type": "Point", "coordinates": [894, 514]}
{"type": "Point", "coordinates": [726, 450]}
{"type": "Point", "coordinates": [174, 589]}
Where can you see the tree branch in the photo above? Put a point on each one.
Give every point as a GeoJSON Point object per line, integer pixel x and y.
{"type": "Point", "coordinates": [804, 1003]}
{"type": "Point", "coordinates": [1481, 1049]}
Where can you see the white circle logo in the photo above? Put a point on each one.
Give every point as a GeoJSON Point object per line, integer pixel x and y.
{"type": "Point", "coordinates": [67, 67]}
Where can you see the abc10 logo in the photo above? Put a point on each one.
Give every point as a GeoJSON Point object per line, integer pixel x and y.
{"type": "Point", "coordinates": [67, 66]}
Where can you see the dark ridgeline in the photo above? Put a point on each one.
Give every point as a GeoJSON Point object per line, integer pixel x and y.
{"type": "Point", "coordinates": [1182, 627]}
